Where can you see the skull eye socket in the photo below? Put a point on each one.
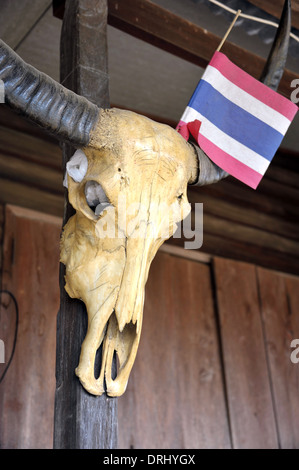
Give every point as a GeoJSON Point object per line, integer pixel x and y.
{"type": "Point", "coordinates": [96, 197]}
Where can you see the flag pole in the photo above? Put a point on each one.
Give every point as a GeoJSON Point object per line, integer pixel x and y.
{"type": "Point", "coordinates": [229, 30]}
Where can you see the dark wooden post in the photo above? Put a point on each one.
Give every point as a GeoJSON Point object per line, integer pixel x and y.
{"type": "Point", "coordinates": [82, 421]}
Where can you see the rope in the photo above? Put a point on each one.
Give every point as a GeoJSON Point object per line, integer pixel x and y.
{"type": "Point", "coordinates": [250, 17]}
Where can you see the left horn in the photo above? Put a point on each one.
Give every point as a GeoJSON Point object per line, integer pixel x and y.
{"type": "Point", "coordinates": [63, 113]}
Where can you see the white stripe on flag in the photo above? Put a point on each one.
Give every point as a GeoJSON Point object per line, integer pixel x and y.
{"type": "Point", "coordinates": [245, 101]}
{"type": "Point", "coordinates": [226, 143]}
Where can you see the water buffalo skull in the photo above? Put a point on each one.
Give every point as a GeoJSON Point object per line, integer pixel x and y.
{"type": "Point", "coordinates": [130, 174]}
{"type": "Point", "coordinates": [136, 180]}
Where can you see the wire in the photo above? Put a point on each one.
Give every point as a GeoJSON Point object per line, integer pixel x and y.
{"type": "Point", "coordinates": [16, 331]}
{"type": "Point", "coordinates": [250, 17]}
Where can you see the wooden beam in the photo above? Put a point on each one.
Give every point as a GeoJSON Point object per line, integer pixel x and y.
{"type": "Point", "coordinates": [156, 25]}
{"type": "Point", "coordinates": [82, 421]}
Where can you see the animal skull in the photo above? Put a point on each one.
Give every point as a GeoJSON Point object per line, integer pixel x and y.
{"type": "Point", "coordinates": [142, 170]}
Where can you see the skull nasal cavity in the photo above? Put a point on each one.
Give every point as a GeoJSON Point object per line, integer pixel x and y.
{"type": "Point", "coordinates": [96, 197]}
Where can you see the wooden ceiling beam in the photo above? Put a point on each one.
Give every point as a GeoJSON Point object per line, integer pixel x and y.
{"type": "Point", "coordinates": [162, 28]}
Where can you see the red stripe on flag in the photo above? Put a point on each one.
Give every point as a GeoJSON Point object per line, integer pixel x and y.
{"type": "Point", "coordinates": [194, 128]}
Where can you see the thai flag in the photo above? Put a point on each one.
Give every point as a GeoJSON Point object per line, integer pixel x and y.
{"type": "Point", "coordinates": [237, 121]}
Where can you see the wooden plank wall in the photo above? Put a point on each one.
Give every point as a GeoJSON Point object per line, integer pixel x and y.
{"type": "Point", "coordinates": [30, 272]}
{"type": "Point", "coordinates": [30, 166]}
{"type": "Point", "coordinates": [255, 226]}
{"type": "Point", "coordinates": [279, 297]}
{"type": "Point", "coordinates": [175, 397]}
{"type": "Point", "coordinates": [244, 354]}
{"type": "Point", "coordinates": [213, 369]}
{"type": "Point", "coordinates": [259, 226]}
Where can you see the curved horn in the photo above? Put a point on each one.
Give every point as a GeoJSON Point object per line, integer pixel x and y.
{"type": "Point", "coordinates": [63, 113]}
{"type": "Point", "coordinates": [209, 172]}
{"type": "Point", "coordinates": [276, 61]}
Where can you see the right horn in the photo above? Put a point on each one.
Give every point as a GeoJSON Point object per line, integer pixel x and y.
{"type": "Point", "coordinates": [44, 101]}
{"type": "Point", "coordinates": [276, 61]}
{"type": "Point", "coordinates": [209, 172]}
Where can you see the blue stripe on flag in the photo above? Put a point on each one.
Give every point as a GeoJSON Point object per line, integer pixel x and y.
{"type": "Point", "coordinates": [246, 128]}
